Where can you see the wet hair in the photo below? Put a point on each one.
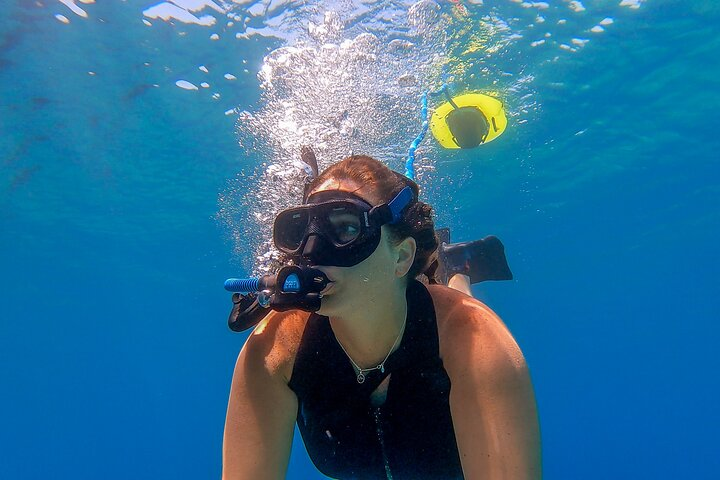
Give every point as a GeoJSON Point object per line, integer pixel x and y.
{"type": "Point", "coordinates": [416, 222]}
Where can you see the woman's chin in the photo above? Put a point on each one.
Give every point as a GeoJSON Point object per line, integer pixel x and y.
{"type": "Point", "coordinates": [325, 307]}
{"type": "Point", "coordinates": [329, 305]}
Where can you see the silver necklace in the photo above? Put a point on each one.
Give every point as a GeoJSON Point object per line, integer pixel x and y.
{"type": "Point", "coordinates": [380, 366]}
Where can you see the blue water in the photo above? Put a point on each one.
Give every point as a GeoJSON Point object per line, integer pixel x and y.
{"type": "Point", "coordinates": [115, 358]}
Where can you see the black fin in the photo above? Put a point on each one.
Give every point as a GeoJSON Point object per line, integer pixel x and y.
{"type": "Point", "coordinates": [246, 312]}
{"type": "Point", "coordinates": [480, 260]}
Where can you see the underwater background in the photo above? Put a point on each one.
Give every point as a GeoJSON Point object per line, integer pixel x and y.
{"type": "Point", "coordinates": [145, 145]}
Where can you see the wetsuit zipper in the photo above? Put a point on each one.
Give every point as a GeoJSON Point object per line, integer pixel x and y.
{"type": "Point", "coordinates": [381, 439]}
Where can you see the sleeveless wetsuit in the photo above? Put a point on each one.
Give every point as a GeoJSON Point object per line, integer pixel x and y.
{"type": "Point", "coordinates": [410, 436]}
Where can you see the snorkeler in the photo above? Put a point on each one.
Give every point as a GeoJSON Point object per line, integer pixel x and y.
{"type": "Point", "coordinates": [456, 265]}
{"type": "Point", "coordinates": [387, 378]}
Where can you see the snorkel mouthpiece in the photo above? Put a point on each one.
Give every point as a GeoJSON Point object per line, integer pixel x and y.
{"type": "Point", "coordinates": [293, 287]}
{"type": "Point", "coordinates": [290, 279]}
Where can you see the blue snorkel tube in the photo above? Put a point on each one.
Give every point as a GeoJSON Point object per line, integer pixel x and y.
{"type": "Point", "coordinates": [410, 162]}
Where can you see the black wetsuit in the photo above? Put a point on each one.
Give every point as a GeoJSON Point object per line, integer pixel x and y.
{"type": "Point", "coordinates": [410, 436]}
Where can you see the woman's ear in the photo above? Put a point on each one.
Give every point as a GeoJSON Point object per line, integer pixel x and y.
{"type": "Point", "coordinates": [405, 256]}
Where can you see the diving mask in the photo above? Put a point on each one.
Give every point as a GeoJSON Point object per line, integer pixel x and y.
{"type": "Point", "coordinates": [337, 228]}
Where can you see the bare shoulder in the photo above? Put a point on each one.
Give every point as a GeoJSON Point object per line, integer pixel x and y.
{"type": "Point", "coordinates": [471, 333]}
{"type": "Point", "coordinates": [262, 408]}
{"type": "Point", "coordinates": [492, 402]}
{"type": "Point", "coordinates": [273, 343]}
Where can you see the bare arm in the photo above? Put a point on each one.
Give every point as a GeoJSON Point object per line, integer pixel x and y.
{"type": "Point", "coordinates": [260, 417]}
{"type": "Point", "coordinates": [491, 398]}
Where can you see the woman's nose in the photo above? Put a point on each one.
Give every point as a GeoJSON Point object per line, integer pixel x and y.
{"type": "Point", "coordinates": [313, 246]}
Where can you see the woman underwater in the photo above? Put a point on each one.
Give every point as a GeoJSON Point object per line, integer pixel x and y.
{"type": "Point", "coordinates": [390, 379]}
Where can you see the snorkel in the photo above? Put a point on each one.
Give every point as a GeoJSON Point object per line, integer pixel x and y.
{"type": "Point", "coordinates": [292, 288]}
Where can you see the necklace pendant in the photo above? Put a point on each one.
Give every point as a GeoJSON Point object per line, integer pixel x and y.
{"type": "Point", "coordinates": [361, 377]}
{"type": "Point", "coordinates": [381, 367]}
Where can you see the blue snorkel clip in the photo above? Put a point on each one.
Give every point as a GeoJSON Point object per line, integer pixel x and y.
{"type": "Point", "coordinates": [398, 204]}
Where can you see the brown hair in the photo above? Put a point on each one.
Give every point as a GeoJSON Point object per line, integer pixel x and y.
{"type": "Point", "coordinates": [417, 219]}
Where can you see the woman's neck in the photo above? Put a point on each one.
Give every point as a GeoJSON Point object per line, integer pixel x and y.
{"type": "Point", "coordinates": [367, 334]}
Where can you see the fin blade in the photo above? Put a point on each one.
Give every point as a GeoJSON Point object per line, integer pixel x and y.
{"type": "Point", "coordinates": [481, 260]}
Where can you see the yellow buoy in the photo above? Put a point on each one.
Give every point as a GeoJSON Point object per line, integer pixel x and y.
{"type": "Point", "coordinates": [468, 121]}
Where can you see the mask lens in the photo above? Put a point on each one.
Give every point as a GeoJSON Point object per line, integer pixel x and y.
{"type": "Point", "coordinates": [290, 227]}
{"type": "Point", "coordinates": [345, 224]}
